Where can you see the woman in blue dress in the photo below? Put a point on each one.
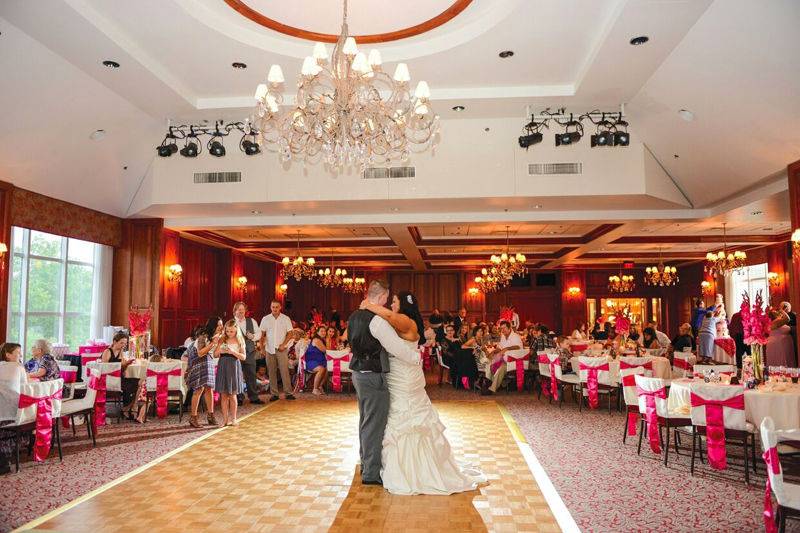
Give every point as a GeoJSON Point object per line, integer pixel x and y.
{"type": "Point", "coordinates": [707, 335]}
{"type": "Point", "coordinates": [316, 362]}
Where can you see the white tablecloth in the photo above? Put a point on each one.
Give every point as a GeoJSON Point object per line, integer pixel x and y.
{"type": "Point", "coordinates": [661, 367]}
{"type": "Point", "coordinates": [722, 356]}
{"type": "Point", "coordinates": [783, 407]}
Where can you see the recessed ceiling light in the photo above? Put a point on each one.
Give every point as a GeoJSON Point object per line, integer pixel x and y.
{"type": "Point", "coordinates": [486, 129]}
{"type": "Point", "coordinates": [537, 206]}
{"type": "Point", "coordinates": [458, 108]}
{"type": "Point", "coordinates": [96, 135]}
{"type": "Point", "coordinates": [395, 209]}
{"type": "Point", "coordinates": [686, 115]}
{"type": "Point", "coordinates": [237, 64]}
{"type": "Point", "coordinates": [256, 212]}
{"type": "Point", "coordinates": [110, 64]}
{"type": "Point", "coordinates": [756, 213]}
{"type": "Point", "coordinates": [640, 40]}
{"type": "Point", "coordinates": [676, 156]}
{"type": "Point", "coordinates": [506, 54]}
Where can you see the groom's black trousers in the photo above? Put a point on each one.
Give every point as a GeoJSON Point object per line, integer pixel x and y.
{"type": "Point", "coordinates": [373, 410]}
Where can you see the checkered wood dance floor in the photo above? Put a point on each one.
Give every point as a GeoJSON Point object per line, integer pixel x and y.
{"type": "Point", "coordinates": [293, 467]}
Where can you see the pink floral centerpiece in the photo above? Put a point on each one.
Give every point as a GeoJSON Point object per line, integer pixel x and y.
{"type": "Point", "coordinates": [139, 322]}
{"type": "Point", "coordinates": [756, 325]}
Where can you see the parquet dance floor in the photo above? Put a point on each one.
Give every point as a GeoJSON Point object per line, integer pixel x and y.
{"type": "Point", "coordinates": [293, 467]}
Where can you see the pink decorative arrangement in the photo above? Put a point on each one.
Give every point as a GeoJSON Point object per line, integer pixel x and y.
{"type": "Point", "coordinates": [139, 323]}
{"type": "Point", "coordinates": [756, 326]}
{"type": "Point", "coordinates": [622, 324]}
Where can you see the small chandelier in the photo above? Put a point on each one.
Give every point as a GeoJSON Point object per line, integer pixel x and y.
{"type": "Point", "coordinates": [353, 285]}
{"type": "Point", "coordinates": [725, 262]}
{"type": "Point", "coordinates": [661, 276]}
{"type": "Point", "coordinates": [488, 281]}
{"type": "Point", "coordinates": [329, 277]}
{"type": "Point", "coordinates": [506, 265]}
{"type": "Point", "coordinates": [621, 284]}
{"type": "Point", "coordinates": [299, 267]}
{"type": "Point", "coordinates": [348, 109]}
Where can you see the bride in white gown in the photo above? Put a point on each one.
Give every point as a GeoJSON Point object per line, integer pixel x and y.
{"type": "Point", "coordinates": [417, 458]}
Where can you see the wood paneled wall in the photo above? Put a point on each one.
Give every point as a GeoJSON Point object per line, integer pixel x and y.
{"type": "Point", "coordinates": [794, 211]}
{"type": "Point", "coordinates": [6, 190]}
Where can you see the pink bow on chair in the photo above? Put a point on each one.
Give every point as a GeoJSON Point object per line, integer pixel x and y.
{"type": "Point", "coordinates": [773, 464]}
{"type": "Point", "coordinates": [715, 426]}
{"type": "Point", "coordinates": [44, 421]}
{"type": "Point", "coordinates": [651, 415]}
{"type": "Point", "coordinates": [162, 388]}
{"type": "Point", "coordinates": [683, 364]}
{"type": "Point", "coordinates": [591, 382]}
{"type": "Point", "coordinates": [336, 379]}
{"type": "Point", "coordinates": [519, 365]}
{"type": "Point", "coordinates": [553, 389]}
{"type": "Point", "coordinates": [99, 384]}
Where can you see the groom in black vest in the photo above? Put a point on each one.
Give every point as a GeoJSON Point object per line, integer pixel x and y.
{"type": "Point", "coordinates": [369, 363]}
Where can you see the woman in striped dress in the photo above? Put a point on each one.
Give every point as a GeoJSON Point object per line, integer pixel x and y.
{"type": "Point", "coordinates": [200, 375]}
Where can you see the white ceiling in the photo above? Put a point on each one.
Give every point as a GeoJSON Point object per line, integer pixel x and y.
{"type": "Point", "coordinates": [734, 63]}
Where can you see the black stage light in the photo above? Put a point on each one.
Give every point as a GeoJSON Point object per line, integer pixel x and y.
{"type": "Point", "coordinates": [603, 138]}
{"type": "Point", "coordinates": [216, 148]}
{"type": "Point", "coordinates": [567, 138]}
{"type": "Point", "coordinates": [250, 147]}
{"type": "Point", "coordinates": [622, 138]}
{"type": "Point", "coordinates": [190, 150]}
{"type": "Point", "coordinates": [526, 141]}
{"type": "Point", "coordinates": [167, 146]}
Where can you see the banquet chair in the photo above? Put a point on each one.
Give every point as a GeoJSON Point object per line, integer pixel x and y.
{"type": "Point", "coordinates": [69, 374]}
{"type": "Point", "coordinates": [171, 373]}
{"type": "Point", "coordinates": [786, 494]}
{"type": "Point", "coordinates": [711, 404]}
{"type": "Point", "coordinates": [627, 383]}
{"type": "Point", "coordinates": [510, 358]}
{"type": "Point", "coordinates": [652, 393]}
{"type": "Point", "coordinates": [27, 418]}
{"type": "Point", "coordinates": [606, 385]}
{"type": "Point", "coordinates": [83, 407]}
{"type": "Point", "coordinates": [548, 360]}
{"type": "Point", "coordinates": [682, 364]}
{"type": "Point", "coordinates": [344, 369]}
{"type": "Point", "coordinates": [632, 361]}
{"type": "Point", "coordinates": [113, 383]}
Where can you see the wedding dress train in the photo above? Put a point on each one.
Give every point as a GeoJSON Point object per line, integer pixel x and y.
{"type": "Point", "coordinates": [417, 458]}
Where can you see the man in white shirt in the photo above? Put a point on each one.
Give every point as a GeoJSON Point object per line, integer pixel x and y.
{"type": "Point", "coordinates": [509, 340]}
{"type": "Point", "coordinates": [276, 328]}
{"type": "Point", "coordinates": [251, 335]}
{"type": "Point", "coordinates": [661, 337]}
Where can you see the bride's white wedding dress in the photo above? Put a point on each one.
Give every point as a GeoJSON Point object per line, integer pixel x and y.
{"type": "Point", "coordinates": [417, 458]}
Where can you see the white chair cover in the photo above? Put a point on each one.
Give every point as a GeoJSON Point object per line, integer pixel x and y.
{"type": "Point", "coordinates": [628, 382]}
{"type": "Point", "coordinates": [73, 406]}
{"type": "Point", "coordinates": [652, 385]}
{"type": "Point", "coordinates": [638, 361]}
{"type": "Point", "coordinates": [731, 418]}
{"type": "Point", "coordinates": [113, 383]}
{"type": "Point", "coordinates": [603, 376]}
{"type": "Point", "coordinates": [38, 389]}
{"type": "Point", "coordinates": [677, 371]}
{"type": "Point", "coordinates": [174, 383]}
{"type": "Point", "coordinates": [510, 355]}
{"type": "Point", "coordinates": [344, 366]}
{"type": "Point", "coordinates": [787, 494]}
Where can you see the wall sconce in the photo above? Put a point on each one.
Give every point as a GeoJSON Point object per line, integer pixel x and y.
{"type": "Point", "coordinates": [283, 288]}
{"type": "Point", "coordinates": [774, 279]}
{"type": "Point", "coordinates": [175, 273]}
{"type": "Point", "coordinates": [3, 249]}
{"type": "Point", "coordinates": [706, 288]}
{"type": "Point", "coordinates": [241, 283]}
{"type": "Point", "coordinates": [473, 291]}
{"type": "Point", "coordinates": [796, 241]}
{"type": "Point", "coordinates": [574, 291]}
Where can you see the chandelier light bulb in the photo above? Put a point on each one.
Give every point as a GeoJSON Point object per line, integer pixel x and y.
{"type": "Point", "coordinates": [401, 73]}
{"type": "Point", "coordinates": [310, 67]}
{"type": "Point", "coordinates": [504, 257]}
{"type": "Point", "coordinates": [320, 52]}
{"type": "Point", "coordinates": [422, 90]}
{"type": "Point", "coordinates": [275, 75]}
{"type": "Point", "coordinates": [375, 58]}
{"type": "Point", "coordinates": [261, 91]}
{"type": "Point", "coordinates": [285, 261]}
{"type": "Point", "coordinates": [360, 63]}
{"type": "Point", "coordinates": [350, 48]}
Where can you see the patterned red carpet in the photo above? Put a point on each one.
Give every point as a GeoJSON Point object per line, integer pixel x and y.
{"type": "Point", "coordinates": [604, 484]}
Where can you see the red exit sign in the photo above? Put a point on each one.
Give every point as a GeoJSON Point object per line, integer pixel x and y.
{"type": "Point", "coordinates": [628, 264]}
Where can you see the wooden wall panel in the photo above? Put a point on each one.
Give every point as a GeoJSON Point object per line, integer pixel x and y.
{"type": "Point", "coordinates": [6, 191]}
{"type": "Point", "coordinates": [448, 292]}
{"type": "Point", "coordinates": [793, 172]}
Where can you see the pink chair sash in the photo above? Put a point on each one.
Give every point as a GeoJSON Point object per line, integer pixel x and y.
{"type": "Point", "coordinates": [69, 376]}
{"type": "Point", "coordinates": [651, 415]}
{"type": "Point", "coordinates": [162, 388]}
{"type": "Point", "coordinates": [623, 365]}
{"type": "Point", "coordinates": [773, 463]}
{"type": "Point", "coordinates": [591, 382]}
{"type": "Point", "coordinates": [630, 381]}
{"type": "Point", "coordinates": [579, 348]}
{"type": "Point", "coordinates": [553, 388]}
{"type": "Point", "coordinates": [683, 364]}
{"type": "Point", "coordinates": [44, 422]}
{"type": "Point", "coordinates": [336, 379]}
{"type": "Point", "coordinates": [519, 364]}
{"type": "Point", "coordinates": [715, 426]}
{"type": "Point", "coordinates": [99, 384]}
{"type": "Point", "coordinates": [426, 357]}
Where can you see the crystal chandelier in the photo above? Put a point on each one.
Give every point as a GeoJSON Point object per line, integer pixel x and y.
{"type": "Point", "coordinates": [329, 277]}
{"type": "Point", "coordinates": [353, 285]}
{"type": "Point", "coordinates": [724, 262]}
{"type": "Point", "coordinates": [506, 265]}
{"type": "Point", "coordinates": [621, 284]}
{"type": "Point", "coordinates": [488, 281]}
{"type": "Point", "coordinates": [661, 276]}
{"type": "Point", "coordinates": [299, 267]}
{"type": "Point", "coordinates": [349, 111]}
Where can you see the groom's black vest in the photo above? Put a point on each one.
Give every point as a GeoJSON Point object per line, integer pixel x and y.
{"type": "Point", "coordinates": [368, 354]}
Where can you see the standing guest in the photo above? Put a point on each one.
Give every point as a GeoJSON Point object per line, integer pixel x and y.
{"type": "Point", "coordinates": [509, 340]}
{"type": "Point", "coordinates": [335, 317]}
{"type": "Point", "coordinates": [251, 335]}
{"type": "Point", "coordinates": [736, 331]}
{"type": "Point", "coordinates": [683, 339]}
{"type": "Point", "coordinates": [460, 319]}
{"type": "Point", "coordinates": [447, 318]}
{"type": "Point", "coordinates": [12, 378]}
{"type": "Point", "coordinates": [130, 386]}
{"type": "Point", "coordinates": [276, 327]}
{"type": "Point", "coordinates": [314, 316]}
{"type": "Point", "coordinates": [231, 352]}
{"type": "Point", "coordinates": [436, 320]}
{"type": "Point", "coordinates": [201, 370]}
{"type": "Point", "coordinates": [47, 367]}
{"type": "Point", "coordinates": [316, 362]}
{"type": "Point", "coordinates": [780, 346]}
{"type": "Point", "coordinates": [698, 315]}
{"type": "Point", "coordinates": [707, 335]}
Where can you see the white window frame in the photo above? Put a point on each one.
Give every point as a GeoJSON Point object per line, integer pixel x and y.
{"type": "Point", "coordinates": [745, 277]}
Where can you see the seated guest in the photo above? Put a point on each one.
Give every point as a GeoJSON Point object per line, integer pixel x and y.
{"type": "Point", "coordinates": [509, 340]}
{"type": "Point", "coordinates": [47, 367]}
{"type": "Point", "coordinates": [635, 335]}
{"type": "Point", "coordinates": [12, 377]}
{"type": "Point", "coordinates": [464, 371]}
{"type": "Point", "coordinates": [494, 333]}
{"type": "Point", "coordinates": [130, 386]}
{"type": "Point", "coordinates": [297, 348]}
{"type": "Point", "coordinates": [663, 339]}
{"type": "Point", "coordinates": [601, 329]}
{"type": "Point", "coordinates": [430, 335]}
{"type": "Point", "coordinates": [649, 339]}
{"type": "Point", "coordinates": [683, 339]}
{"type": "Point", "coordinates": [140, 404]}
{"type": "Point", "coordinates": [261, 380]}
{"type": "Point", "coordinates": [316, 362]}
{"type": "Point", "coordinates": [463, 332]}
{"type": "Point", "coordinates": [331, 339]}
{"type": "Point", "coordinates": [581, 332]}
{"type": "Point", "coordinates": [541, 339]}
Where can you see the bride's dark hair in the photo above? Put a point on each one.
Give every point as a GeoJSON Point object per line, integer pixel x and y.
{"type": "Point", "coordinates": [409, 307]}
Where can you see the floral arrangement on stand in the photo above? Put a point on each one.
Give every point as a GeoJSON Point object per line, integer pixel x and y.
{"type": "Point", "coordinates": [139, 323]}
{"type": "Point", "coordinates": [756, 326]}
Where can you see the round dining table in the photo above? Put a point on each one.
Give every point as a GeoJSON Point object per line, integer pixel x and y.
{"type": "Point", "coordinates": [782, 405]}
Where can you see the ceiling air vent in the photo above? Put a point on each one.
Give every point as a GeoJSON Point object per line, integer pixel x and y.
{"type": "Point", "coordinates": [543, 169]}
{"type": "Point", "coordinates": [378, 173]}
{"type": "Point", "coordinates": [217, 177]}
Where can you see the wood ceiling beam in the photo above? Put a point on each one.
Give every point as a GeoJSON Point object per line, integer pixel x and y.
{"type": "Point", "coordinates": [709, 239]}
{"type": "Point", "coordinates": [595, 240]}
{"type": "Point", "coordinates": [405, 240]}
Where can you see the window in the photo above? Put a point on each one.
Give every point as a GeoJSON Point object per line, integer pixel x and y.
{"type": "Point", "coordinates": [52, 288]}
{"type": "Point", "coordinates": [751, 279]}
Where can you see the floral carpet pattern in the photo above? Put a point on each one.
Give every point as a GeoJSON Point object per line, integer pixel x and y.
{"type": "Point", "coordinates": [602, 481]}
